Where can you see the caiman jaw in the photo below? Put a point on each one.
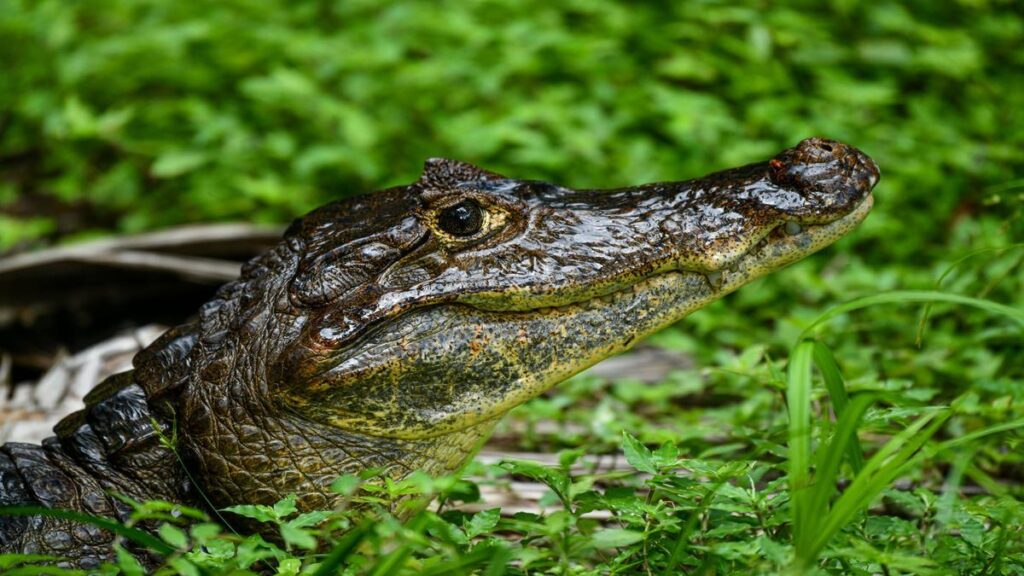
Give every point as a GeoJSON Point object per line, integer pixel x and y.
{"type": "Point", "coordinates": [784, 245]}
{"type": "Point", "coordinates": [587, 332]}
{"type": "Point", "coordinates": [505, 358]}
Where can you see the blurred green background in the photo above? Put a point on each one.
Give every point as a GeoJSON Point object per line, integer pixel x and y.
{"type": "Point", "coordinates": [120, 116]}
{"type": "Point", "coordinates": [128, 115]}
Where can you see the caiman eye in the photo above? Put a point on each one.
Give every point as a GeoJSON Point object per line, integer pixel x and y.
{"type": "Point", "coordinates": [462, 219]}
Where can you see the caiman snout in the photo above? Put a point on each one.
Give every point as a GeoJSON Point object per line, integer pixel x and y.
{"type": "Point", "coordinates": [825, 166]}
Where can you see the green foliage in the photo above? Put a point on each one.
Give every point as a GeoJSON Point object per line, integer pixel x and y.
{"type": "Point", "coordinates": [136, 114]}
{"type": "Point", "coordinates": [793, 495]}
{"type": "Point", "coordinates": [126, 115]}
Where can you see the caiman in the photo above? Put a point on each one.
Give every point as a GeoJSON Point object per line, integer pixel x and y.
{"type": "Point", "coordinates": [392, 330]}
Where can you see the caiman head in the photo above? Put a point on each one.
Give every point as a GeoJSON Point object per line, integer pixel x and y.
{"type": "Point", "coordinates": [391, 330]}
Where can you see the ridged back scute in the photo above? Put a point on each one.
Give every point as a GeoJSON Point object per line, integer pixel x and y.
{"type": "Point", "coordinates": [116, 431]}
{"type": "Point", "coordinates": [116, 414]}
{"type": "Point", "coordinates": [164, 366]}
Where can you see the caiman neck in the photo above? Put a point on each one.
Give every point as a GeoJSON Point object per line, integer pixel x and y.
{"type": "Point", "coordinates": [241, 441]}
{"type": "Point", "coordinates": [243, 453]}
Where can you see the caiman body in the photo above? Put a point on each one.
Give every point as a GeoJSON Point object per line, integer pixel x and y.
{"type": "Point", "coordinates": [392, 330]}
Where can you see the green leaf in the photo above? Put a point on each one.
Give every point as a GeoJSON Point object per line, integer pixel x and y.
{"type": "Point", "coordinates": [178, 162]}
{"type": "Point", "coordinates": [615, 538]}
{"type": "Point", "coordinates": [482, 522]}
{"type": "Point", "coordinates": [294, 531]}
{"type": "Point", "coordinates": [637, 454]}
{"type": "Point", "coordinates": [173, 535]}
{"type": "Point", "coordinates": [877, 474]}
{"type": "Point", "coordinates": [297, 536]}
{"type": "Point", "coordinates": [165, 511]}
{"type": "Point", "coordinates": [259, 512]}
{"type": "Point", "coordinates": [285, 507]}
{"type": "Point", "coordinates": [289, 567]}
{"type": "Point", "coordinates": [566, 458]}
{"type": "Point", "coordinates": [255, 548]}
{"type": "Point", "coordinates": [128, 563]}
{"type": "Point", "coordinates": [216, 549]}
{"type": "Point", "coordinates": [205, 531]}
{"type": "Point", "coordinates": [666, 455]}
{"type": "Point", "coordinates": [307, 519]}
{"type": "Point", "coordinates": [486, 553]}
{"type": "Point", "coordinates": [184, 567]}
{"type": "Point", "coordinates": [554, 478]}
{"type": "Point", "coordinates": [826, 473]}
{"type": "Point", "coordinates": [345, 485]}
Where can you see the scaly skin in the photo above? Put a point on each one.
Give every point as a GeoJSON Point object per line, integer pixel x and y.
{"type": "Point", "coordinates": [392, 331]}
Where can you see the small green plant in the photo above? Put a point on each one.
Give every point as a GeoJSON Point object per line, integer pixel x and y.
{"type": "Point", "coordinates": [828, 483]}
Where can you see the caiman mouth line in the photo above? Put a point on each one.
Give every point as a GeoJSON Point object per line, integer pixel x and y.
{"type": "Point", "coordinates": [785, 243]}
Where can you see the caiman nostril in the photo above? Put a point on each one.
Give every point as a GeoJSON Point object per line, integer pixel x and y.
{"type": "Point", "coordinates": [825, 166]}
{"type": "Point", "coordinates": [822, 149]}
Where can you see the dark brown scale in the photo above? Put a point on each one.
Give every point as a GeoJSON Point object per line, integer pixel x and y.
{"type": "Point", "coordinates": [392, 330]}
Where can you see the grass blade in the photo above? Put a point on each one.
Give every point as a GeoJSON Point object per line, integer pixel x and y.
{"type": "Point", "coordinates": [393, 562]}
{"type": "Point", "coordinates": [837, 393]}
{"type": "Point", "coordinates": [38, 570]}
{"type": "Point", "coordinates": [971, 436]}
{"type": "Point", "coordinates": [949, 270]}
{"type": "Point", "coordinates": [340, 552]}
{"type": "Point", "coordinates": [829, 459]}
{"type": "Point", "coordinates": [877, 474]}
{"type": "Point", "coordinates": [480, 555]}
{"type": "Point", "coordinates": [914, 297]}
{"type": "Point", "coordinates": [798, 396]}
{"type": "Point", "coordinates": [137, 536]}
